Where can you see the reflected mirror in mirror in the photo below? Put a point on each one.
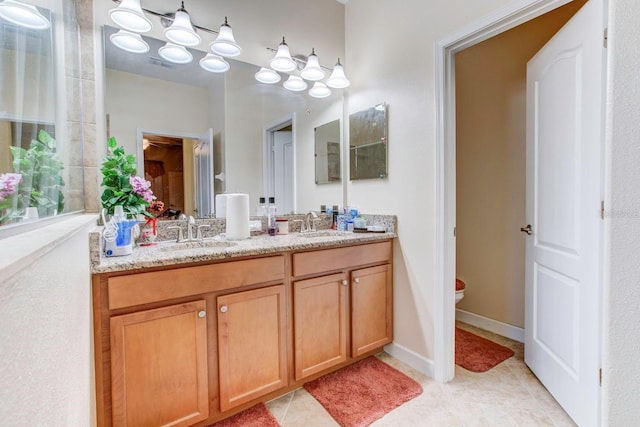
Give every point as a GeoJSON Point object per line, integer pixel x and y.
{"type": "Point", "coordinates": [368, 143]}
{"type": "Point", "coordinates": [236, 120]}
{"type": "Point", "coordinates": [327, 155]}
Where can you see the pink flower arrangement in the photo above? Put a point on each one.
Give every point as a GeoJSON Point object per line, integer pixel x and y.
{"type": "Point", "coordinates": [9, 184]}
{"type": "Point", "coordinates": [142, 188]}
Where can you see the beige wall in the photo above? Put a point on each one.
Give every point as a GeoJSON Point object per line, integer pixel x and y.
{"type": "Point", "coordinates": [45, 313]}
{"type": "Point", "coordinates": [621, 293]}
{"type": "Point", "coordinates": [396, 65]}
{"type": "Point", "coordinates": [135, 101]}
{"type": "Point", "coordinates": [490, 166]}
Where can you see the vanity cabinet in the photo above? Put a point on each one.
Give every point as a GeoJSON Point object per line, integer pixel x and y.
{"type": "Point", "coordinates": [252, 352]}
{"type": "Point", "coordinates": [344, 314]}
{"type": "Point", "coordinates": [321, 319]}
{"type": "Point", "coordinates": [189, 345]}
{"type": "Point", "coordinates": [371, 309]}
{"type": "Point", "coordinates": [159, 366]}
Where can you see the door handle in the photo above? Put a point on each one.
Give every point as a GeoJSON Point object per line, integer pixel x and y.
{"type": "Point", "coordinates": [526, 229]}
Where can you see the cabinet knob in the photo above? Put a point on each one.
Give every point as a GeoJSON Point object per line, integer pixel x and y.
{"type": "Point", "coordinates": [201, 314]}
{"type": "Point", "coordinates": [345, 283]}
{"type": "Point", "coordinates": [356, 280]}
{"type": "Point", "coordinates": [223, 309]}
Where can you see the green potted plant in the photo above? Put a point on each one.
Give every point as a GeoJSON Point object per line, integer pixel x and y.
{"type": "Point", "coordinates": [122, 187]}
{"type": "Point", "coordinates": [41, 184]}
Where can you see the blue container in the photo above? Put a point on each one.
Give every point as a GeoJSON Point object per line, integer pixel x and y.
{"type": "Point", "coordinates": [123, 237]}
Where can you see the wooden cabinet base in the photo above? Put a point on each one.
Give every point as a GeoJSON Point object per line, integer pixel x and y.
{"type": "Point", "coordinates": [191, 345]}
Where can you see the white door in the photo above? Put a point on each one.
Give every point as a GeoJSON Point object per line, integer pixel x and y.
{"type": "Point", "coordinates": [283, 171]}
{"type": "Point", "coordinates": [564, 188]}
{"type": "Point", "coordinates": [203, 171]}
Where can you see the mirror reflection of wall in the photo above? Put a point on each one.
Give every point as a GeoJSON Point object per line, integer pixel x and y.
{"type": "Point", "coordinates": [171, 99]}
{"type": "Point", "coordinates": [238, 108]}
{"type": "Point", "coordinates": [327, 155]}
{"type": "Point", "coordinates": [368, 143]}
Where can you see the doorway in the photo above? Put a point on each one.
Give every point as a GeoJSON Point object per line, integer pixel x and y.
{"type": "Point", "coordinates": [490, 172]}
{"type": "Point", "coordinates": [564, 120]}
{"type": "Point", "coordinates": [279, 164]}
{"type": "Point", "coordinates": [164, 169]}
{"type": "Point", "coordinates": [180, 169]}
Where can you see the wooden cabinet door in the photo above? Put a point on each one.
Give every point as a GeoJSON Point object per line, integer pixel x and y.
{"type": "Point", "coordinates": [159, 366]}
{"type": "Point", "coordinates": [320, 323]}
{"type": "Point", "coordinates": [252, 356]}
{"type": "Point", "coordinates": [371, 309]}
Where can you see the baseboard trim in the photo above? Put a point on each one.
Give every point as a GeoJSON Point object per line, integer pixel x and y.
{"type": "Point", "coordinates": [491, 325]}
{"type": "Point", "coordinates": [411, 358]}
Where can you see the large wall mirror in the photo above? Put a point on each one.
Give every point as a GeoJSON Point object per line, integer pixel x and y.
{"type": "Point", "coordinates": [368, 142]}
{"type": "Point", "coordinates": [40, 142]}
{"type": "Point", "coordinates": [233, 133]}
{"type": "Point", "coordinates": [327, 155]}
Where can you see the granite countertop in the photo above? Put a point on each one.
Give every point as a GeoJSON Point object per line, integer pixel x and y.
{"type": "Point", "coordinates": [168, 252]}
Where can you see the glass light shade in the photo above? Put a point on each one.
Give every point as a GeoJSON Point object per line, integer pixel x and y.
{"type": "Point", "coordinates": [319, 90]}
{"type": "Point", "coordinates": [337, 79]}
{"type": "Point", "coordinates": [283, 61]}
{"type": "Point", "coordinates": [23, 15]}
{"type": "Point", "coordinates": [181, 31]}
{"type": "Point", "coordinates": [175, 53]}
{"type": "Point", "coordinates": [130, 42]}
{"type": "Point", "coordinates": [225, 44]}
{"type": "Point", "coordinates": [312, 70]}
{"type": "Point", "coordinates": [265, 75]}
{"type": "Point", "coordinates": [214, 63]}
{"type": "Point", "coordinates": [295, 84]}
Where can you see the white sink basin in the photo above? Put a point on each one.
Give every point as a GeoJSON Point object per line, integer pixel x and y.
{"type": "Point", "coordinates": [324, 233]}
{"type": "Point", "coordinates": [170, 247]}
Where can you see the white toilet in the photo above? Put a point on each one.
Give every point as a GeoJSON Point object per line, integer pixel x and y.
{"type": "Point", "coordinates": [460, 286]}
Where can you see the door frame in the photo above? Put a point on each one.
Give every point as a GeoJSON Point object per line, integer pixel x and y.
{"type": "Point", "coordinates": [267, 157]}
{"type": "Point", "coordinates": [512, 14]}
{"type": "Point", "coordinates": [171, 134]}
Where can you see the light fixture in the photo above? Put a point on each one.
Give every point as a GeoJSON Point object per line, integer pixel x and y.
{"type": "Point", "coordinates": [23, 15]}
{"type": "Point", "coordinates": [265, 75]}
{"type": "Point", "coordinates": [225, 44]}
{"type": "Point", "coordinates": [319, 90]}
{"type": "Point", "coordinates": [312, 70]}
{"type": "Point", "coordinates": [337, 79]}
{"type": "Point", "coordinates": [129, 15]}
{"type": "Point", "coordinates": [214, 63]}
{"type": "Point", "coordinates": [181, 31]}
{"type": "Point", "coordinates": [295, 84]}
{"type": "Point", "coordinates": [129, 41]}
{"type": "Point", "coordinates": [175, 53]}
{"type": "Point", "coordinates": [283, 61]}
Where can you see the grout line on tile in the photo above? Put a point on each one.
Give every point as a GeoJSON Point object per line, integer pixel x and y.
{"type": "Point", "coordinates": [286, 410]}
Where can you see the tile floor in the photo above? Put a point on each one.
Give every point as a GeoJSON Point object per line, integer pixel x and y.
{"type": "Point", "coordinates": [507, 395]}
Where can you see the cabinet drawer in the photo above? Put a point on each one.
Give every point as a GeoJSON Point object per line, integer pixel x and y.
{"type": "Point", "coordinates": [340, 258]}
{"type": "Point", "coordinates": [144, 288]}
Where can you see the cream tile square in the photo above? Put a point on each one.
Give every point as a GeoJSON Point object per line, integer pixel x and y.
{"type": "Point", "coordinates": [278, 407]}
{"type": "Point", "coordinates": [305, 411]}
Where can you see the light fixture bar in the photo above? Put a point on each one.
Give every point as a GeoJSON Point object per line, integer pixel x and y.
{"type": "Point", "coordinates": [298, 60]}
{"type": "Point", "coordinates": [169, 17]}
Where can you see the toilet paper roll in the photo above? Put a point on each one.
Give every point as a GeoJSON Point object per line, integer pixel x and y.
{"type": "Point", "coordinates": [237, 216]}
{"type": "Point", "coordinates": [221, 205]}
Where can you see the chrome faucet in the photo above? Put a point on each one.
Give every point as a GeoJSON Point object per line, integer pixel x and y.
{"type": "Point", "coordinates": [309, 222]}
{"type": "Point", "coordinates": [190, 223]}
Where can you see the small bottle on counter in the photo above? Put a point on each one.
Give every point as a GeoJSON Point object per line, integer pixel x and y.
{"type": "Point", "coordinates": [271, 217]}
{"type": "Point", "coordinates": [334, 211]}
{"type": "Point", "coordinates": [261, 209]}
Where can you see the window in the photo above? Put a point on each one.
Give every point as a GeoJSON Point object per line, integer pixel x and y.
{"type": "Point", "coordinates": [40, 159]}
